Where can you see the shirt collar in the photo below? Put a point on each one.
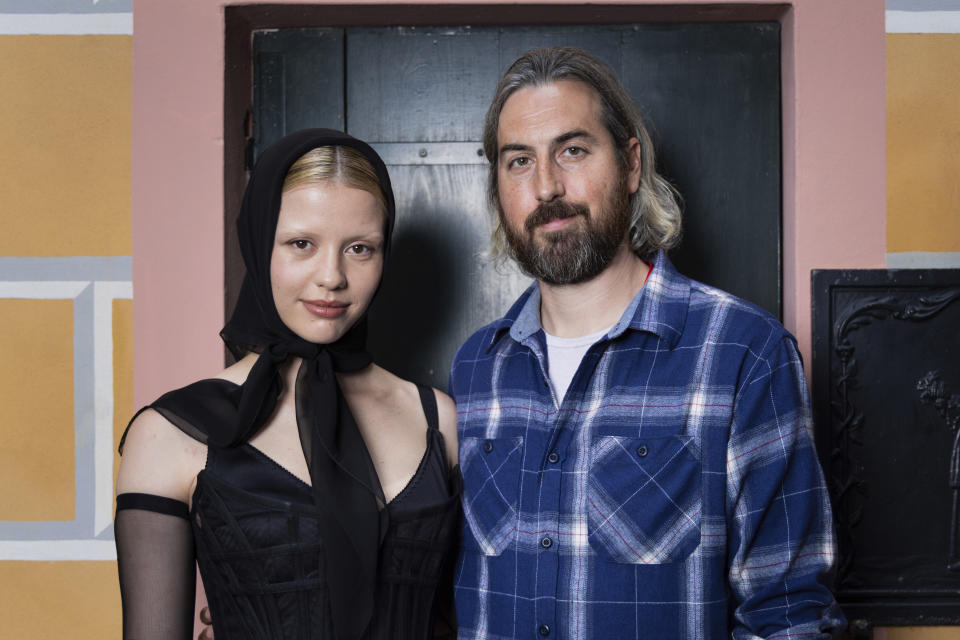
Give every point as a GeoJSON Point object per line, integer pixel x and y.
{"type": "Point", "coordinates": [660, 308]}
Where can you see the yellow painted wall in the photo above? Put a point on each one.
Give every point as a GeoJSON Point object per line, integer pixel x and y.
{"type": "Point", "coordinates": [122, 373]}
{"type": "Point", "coordinates": [923, 139]}
{"type": "Point", "coordinates": [65, 141]}
{"type": "Point", "coordinates": [36, 393]}
{"type": "Point", "coordinates": [65, 128]}
{"type": "Point", "coordinates": [76, 600]}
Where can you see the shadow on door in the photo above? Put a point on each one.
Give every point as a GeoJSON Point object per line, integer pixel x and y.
{"type": "Point", "coordinates": [418, 94]}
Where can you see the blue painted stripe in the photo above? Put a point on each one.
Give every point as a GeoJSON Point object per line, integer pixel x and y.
{"type": "Point", "coordinates": [42, 530]}
{"type": "Point", "coordinates": [72, 268]}
{"type": "Point", "coordinates": [84, 415]}
{"type": "Point", "coordinates": [66, 6]}
{"type": "Point", "coordinates": [66, 24]}
{"type": "Point", "coordinates": [923, 5]}
{"type": "Point", "coordinates": [924, 260]}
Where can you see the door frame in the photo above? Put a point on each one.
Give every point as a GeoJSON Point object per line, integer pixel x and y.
{"type": "Point", "coordinates": [186, 171]}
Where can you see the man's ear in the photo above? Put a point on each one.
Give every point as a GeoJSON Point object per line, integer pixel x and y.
{"type": "Point", "coordinates": [634, 165]}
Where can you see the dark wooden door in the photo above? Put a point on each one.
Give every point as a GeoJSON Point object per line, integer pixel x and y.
{"type": "Point", "coordinates": [418, 95]}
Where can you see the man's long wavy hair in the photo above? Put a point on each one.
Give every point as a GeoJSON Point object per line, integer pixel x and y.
{"type": "Point", "coordinates": [655, 221]}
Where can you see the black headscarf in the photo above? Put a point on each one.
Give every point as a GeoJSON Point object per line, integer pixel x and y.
{"type": "Point", "coordinates": [345, 483]}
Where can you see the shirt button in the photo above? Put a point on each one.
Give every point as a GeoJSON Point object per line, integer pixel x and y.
{"type": "Point", "coordinates": [553, 458]}
{"type": "Point", "coordinates": [642, 451]}
{"type": "Point", "coordinates": [488, 446]}
{"type": "Point", "coordinates": [546, 543]}
{"type": "Point", "coordinates": [544, 629]}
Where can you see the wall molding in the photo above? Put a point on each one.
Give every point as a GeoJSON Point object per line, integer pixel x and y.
{"type": "Point", "coordinates": [924, 260]}
{"type": "Point", "coordinates": [66, 24]}
{"type": "Point", "coordinates": [93, 284]}
{"type": "Point", "coordinates": [923, 21]}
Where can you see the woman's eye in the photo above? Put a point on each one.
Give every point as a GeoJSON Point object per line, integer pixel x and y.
{"type": "Point", "coordinates": [301, 244]}
{"type": "Point", "coordinates": [359, 249]}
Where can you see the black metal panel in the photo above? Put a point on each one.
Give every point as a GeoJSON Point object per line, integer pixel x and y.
{"type": "Point", "coordinates": [886, 376]}
{"type": "Point", "coordinates": [298, 82]}
{"type": "Point", "coordinates": [420, 84]}
{"type": "Point", "coordinates": [712, 93]}
{"type": "Point", "coordinates": [602, 41]}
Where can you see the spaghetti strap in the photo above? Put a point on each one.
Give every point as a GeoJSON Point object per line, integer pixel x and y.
{"type": "Point", "coordinates": [429, 402]}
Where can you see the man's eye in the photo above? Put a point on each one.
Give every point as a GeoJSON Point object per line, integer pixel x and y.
{"type": "Point", "coordinates": [520, 162]}
{"type": "Point", "coordinates": [574, 151]}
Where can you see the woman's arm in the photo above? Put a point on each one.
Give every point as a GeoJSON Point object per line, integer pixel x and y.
{"type": "Point", "coordinates": [155, 551]}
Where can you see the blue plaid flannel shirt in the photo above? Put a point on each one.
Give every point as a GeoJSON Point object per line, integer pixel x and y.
{"type": "Point", "coordinates": [674, 493]}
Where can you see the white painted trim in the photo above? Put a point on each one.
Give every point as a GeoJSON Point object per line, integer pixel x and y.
{"type": "Point", "coordinates": [57, 550]}
{"type": "Point", "coordinates": [66, 24]}
{"type": "Point", "coordinates": [924, 260]}
{"type": "Point", "coordinates": [104, 293]}
{"type": "Point", "coordinates": [923, 21]}
{"type": "Point", "coordinates": [43, 290]}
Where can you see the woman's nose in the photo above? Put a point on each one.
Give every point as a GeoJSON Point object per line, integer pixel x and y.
{"type": "Point", "coordinates": [329, 272]}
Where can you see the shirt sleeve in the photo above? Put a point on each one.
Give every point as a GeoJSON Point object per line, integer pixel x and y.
{"type": "Point", "coordinates": [155, 558]}
{"type": "Point", "coordinates": [781, 544]}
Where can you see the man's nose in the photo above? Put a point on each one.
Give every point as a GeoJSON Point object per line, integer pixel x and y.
{"type": "Point", "coordinates": [549, 182]}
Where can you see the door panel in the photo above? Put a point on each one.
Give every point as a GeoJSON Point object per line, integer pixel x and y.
{"type": "Point", "coordinates": [419, 96]}
{"type": "Point", "coordinates": [713, 97]}
{"type": "Point", "coordinates": [437, 289]}
{"type": "Point", "coordinates": [419, 85]}
{"type": "Point", "coordinates": [298, 83]}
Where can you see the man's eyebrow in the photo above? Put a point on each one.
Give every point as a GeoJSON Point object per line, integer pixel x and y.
{"type": "Point", "coordinates": [559, 140]}
{"type": "Point", "coordinates": [514, 146]}
{"type": "Point", "coordinates": [570, 135]}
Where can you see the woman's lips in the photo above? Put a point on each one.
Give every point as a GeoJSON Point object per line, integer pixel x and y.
{"type": "Point", "coordinates": [325, 308]}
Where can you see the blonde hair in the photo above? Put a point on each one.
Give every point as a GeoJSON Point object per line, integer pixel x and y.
{"type": "Point", "coordinates": [341, 164]}
{"type": "Point", "coordinates": [655, 221]}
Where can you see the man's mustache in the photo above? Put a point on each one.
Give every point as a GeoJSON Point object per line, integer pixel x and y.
{"type": "Point", "coordinates": [554, 210]}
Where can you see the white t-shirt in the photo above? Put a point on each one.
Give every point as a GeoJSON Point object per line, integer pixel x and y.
{"type": "Point", "coordinates": [564, 356]}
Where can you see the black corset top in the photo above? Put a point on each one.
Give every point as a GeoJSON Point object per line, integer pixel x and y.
{"type": "Point", "coordinates": [261, 555]}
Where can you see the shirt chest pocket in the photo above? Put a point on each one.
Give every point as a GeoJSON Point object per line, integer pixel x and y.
{"type": "Point", "coordinates": [491, 488]}
{"type": "Point", "coordinates": [644, 498]}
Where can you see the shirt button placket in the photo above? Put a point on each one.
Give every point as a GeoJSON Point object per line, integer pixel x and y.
{"type": "Point", "coordinates": [548, 560]}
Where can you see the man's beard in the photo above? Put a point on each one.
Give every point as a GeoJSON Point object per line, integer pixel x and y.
{"type": "Point", "coordinates": [576, 253]}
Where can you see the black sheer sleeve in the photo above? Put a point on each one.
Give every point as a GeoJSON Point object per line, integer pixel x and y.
{"type": "Point", "coordinates": [155, 556]}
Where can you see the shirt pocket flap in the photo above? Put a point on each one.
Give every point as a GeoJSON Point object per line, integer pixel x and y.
{"type": "Point", "coordinates": [644, 498]}
{"type": "Point", "coordinates": [491, 487]}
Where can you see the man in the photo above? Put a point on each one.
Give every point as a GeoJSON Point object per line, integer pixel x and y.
{"type": "Point", "coordinates": [636, 447]}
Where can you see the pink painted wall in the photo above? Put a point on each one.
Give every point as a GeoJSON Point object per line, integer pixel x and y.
{"type": "Point", "coordinates": [834, 168]}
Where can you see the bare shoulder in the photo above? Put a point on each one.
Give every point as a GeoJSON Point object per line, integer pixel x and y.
{"type": "Point", "coordinates": [447, 411]}
{"type": "Point", "coordinates": [159, 459]}
{"type": "Point", "coordinates": [238, 371]}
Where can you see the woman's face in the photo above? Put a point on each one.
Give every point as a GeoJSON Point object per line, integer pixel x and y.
{"type": "Point", "coordinates": [327, 258]}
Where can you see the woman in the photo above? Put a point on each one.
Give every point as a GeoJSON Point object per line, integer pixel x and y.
{"type": "Point", "coordinates": [313, 487]}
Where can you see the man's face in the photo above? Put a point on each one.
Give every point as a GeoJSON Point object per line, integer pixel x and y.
{"type": "Point", "coordinates": [563, 196]}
